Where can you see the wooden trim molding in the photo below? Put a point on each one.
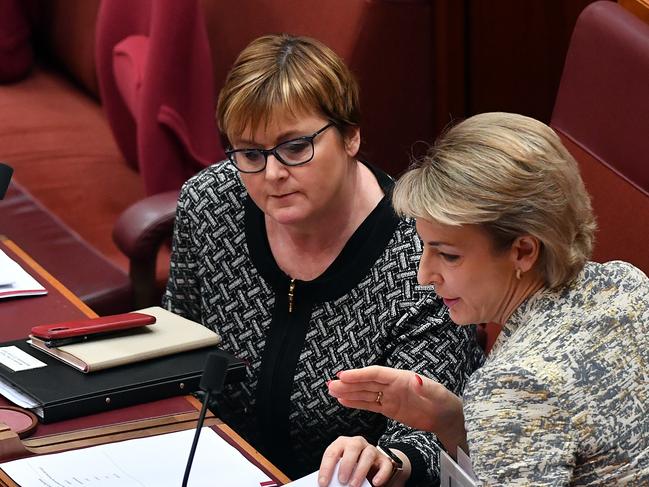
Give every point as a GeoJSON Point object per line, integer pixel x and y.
{"type": "Point", "coordinates": [639, 8]}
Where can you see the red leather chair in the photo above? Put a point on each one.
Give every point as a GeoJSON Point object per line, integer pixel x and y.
{"type": "Point", "coordinates": [389, 45]}
{"type": "Point", "coordinates": [602, 115]}
{"type": "Point", "coordinates": [15, 50]}
{"type": "Point", "coordinates": [155, 80]}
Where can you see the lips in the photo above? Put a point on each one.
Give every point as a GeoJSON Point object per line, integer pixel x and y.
{"type": "Point", "coordinates": [450, 302]}
{"type": "Point", "coordinates": [280, 196]}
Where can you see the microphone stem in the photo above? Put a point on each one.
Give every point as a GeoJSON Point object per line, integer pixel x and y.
{"type": "Point", "coordinates": [199, 426]}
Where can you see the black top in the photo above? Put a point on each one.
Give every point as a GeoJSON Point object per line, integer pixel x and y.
{"type": "Point", "coordinates": [288, 328]}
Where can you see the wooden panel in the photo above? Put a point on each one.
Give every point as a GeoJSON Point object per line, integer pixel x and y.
{"type": "Point", "coordinates": [449, 63]}
{"type": "Point", "coordinates": [639, 8]}
{"type": "Point", "coordinates": [516, 52]}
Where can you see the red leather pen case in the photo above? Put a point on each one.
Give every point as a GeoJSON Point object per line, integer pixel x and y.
{"type": "Point", "coordinates": [102, 324]}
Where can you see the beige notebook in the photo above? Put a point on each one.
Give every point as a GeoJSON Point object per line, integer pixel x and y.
{"type": "Point", "coordinates": [170, 334]}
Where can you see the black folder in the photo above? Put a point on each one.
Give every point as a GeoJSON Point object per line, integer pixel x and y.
{"type": "Point", "coordinates": [64, 392]}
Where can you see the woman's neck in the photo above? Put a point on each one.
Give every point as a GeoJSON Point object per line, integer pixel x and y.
{"type": "Point", "coordinates": [529, 285]}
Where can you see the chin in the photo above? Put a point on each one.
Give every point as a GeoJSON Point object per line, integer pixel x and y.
{"type": "Point", "coordinates": [461, 320]}
{"type": "Point", "coordinates": [287, 216]}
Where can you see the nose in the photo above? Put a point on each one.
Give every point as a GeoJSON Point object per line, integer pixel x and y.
{"type": "Point", "coordinates": [427, 273]}
{"type": "Point", "coordinates": [274, 168]}
{"type": "Point", "coordinates": [427, 278]}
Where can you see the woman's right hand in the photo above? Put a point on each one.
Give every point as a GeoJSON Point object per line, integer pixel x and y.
{"type": "Point", "coordinates": [357, 458]}
{"type": "Point", "coordinates": [409, 398]}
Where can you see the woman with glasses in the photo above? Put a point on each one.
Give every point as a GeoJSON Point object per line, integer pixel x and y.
{"type": "Point", "coordinates": [292, 253]}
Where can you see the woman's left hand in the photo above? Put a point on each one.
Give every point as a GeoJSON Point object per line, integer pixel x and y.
{"type": "Point", "coordinates": [357, 459]}
{"type": "Point", "coordinates": [404, 396]}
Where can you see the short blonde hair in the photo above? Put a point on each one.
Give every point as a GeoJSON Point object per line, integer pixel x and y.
{"type": "Point", "coordinates": [284, 72]}
{"type": "Point", "coordinates": [511, 175]}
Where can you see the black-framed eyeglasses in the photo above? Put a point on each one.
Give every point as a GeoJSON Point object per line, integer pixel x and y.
{"type": "Point", "coordinates": [294, 152]}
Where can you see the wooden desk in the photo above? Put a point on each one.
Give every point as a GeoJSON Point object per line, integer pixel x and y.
{"type": "Point", "coordinates": [18, 315]}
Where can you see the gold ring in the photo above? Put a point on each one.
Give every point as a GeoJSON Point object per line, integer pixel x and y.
{"type": "Point", "coordinates": [379, 398]}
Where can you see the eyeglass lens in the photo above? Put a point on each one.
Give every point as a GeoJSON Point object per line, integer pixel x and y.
{"type": "Point", "coordinates": [291, 153]}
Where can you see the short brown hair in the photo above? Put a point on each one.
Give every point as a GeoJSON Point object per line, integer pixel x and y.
{"type": "Point", "coordinates": [291, 73]}
{"type": "Point", "coordinates": [511, 175]}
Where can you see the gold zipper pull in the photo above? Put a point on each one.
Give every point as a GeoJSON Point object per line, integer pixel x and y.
{"type": "Point", "coordinates": [291, 296]}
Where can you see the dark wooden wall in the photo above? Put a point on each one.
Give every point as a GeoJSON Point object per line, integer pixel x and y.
{"type": "Point", "coordinates": [500, 55]}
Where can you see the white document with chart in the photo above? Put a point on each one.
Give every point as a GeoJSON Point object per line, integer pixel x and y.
{"type": "Point", "coordinates": [156, 461]}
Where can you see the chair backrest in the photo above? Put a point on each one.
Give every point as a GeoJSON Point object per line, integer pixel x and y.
{"type": "Point", "coordinates": [602, 114]}
{"type": "Point", "coordinates": [155, 79]}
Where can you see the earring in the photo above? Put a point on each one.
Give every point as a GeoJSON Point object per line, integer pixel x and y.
{"type": "Point", "coordinates": [518, 274]}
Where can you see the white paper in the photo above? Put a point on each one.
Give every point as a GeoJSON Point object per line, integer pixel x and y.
{"type": "Point", "coordinates": [14, 281]}
{"type": "Point", "coordinates": [156, 461]}
{"type": "Point", "coordinates": [16, 359]}
{"type": "Point", "coordinates": [18, 397]}
{"type": "Point", "coordinates": [450, 473]}
{"type": "Point", "coordinates": [311, 480]}
{"type": "Point", "coordinates": [464, 461]}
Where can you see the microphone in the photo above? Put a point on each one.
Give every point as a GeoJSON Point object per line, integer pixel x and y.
{"type": "Point", "coordinates": [212, 382]}
{"type": "Point", "coordinates": [5, 177]}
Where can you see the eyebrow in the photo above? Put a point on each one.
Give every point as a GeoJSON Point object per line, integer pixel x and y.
{"type": "Point", "coordinates": [283, 137]}
{"type": "Point", "coordinates": [438, 244]}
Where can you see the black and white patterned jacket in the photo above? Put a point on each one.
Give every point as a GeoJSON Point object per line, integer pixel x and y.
{"type": "Point", "coordinates": [365, 309]}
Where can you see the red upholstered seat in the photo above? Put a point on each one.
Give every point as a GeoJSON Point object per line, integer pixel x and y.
{"type": "Point", "coordinates": [602, 114]}
{"type": "Point", "coordinates": [15, 49]}
{"type": "Point", "coordinates": [391, 46]}
{"type": "Point", "coordinates": [155, 79]}
{"type": "Point", "coordinates": [71, 181]}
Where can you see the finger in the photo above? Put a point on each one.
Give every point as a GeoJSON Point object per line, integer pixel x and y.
{"type": "Point", "coordinates": [367, 396]}
{"type": "Point", "coordinates": [365, 461]}
{"type": "Point", "coordinates": [353, 449]}
{"type": "Point", "coordinates": [373, 373]}
{"type": "Point", "coordinates": [328, 464]}
{"type": "Point", "coordinates": [340, 387]}
{"type": "Point", "coordinates": [372, 406]}
{"type": "Point", "coordinates": [384, 473]}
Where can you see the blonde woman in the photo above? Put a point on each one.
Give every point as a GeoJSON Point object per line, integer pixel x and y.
{"type": "Point", "coordinates": [507, 229]}
{"type": "Point", "coordinates": [291, 251]}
